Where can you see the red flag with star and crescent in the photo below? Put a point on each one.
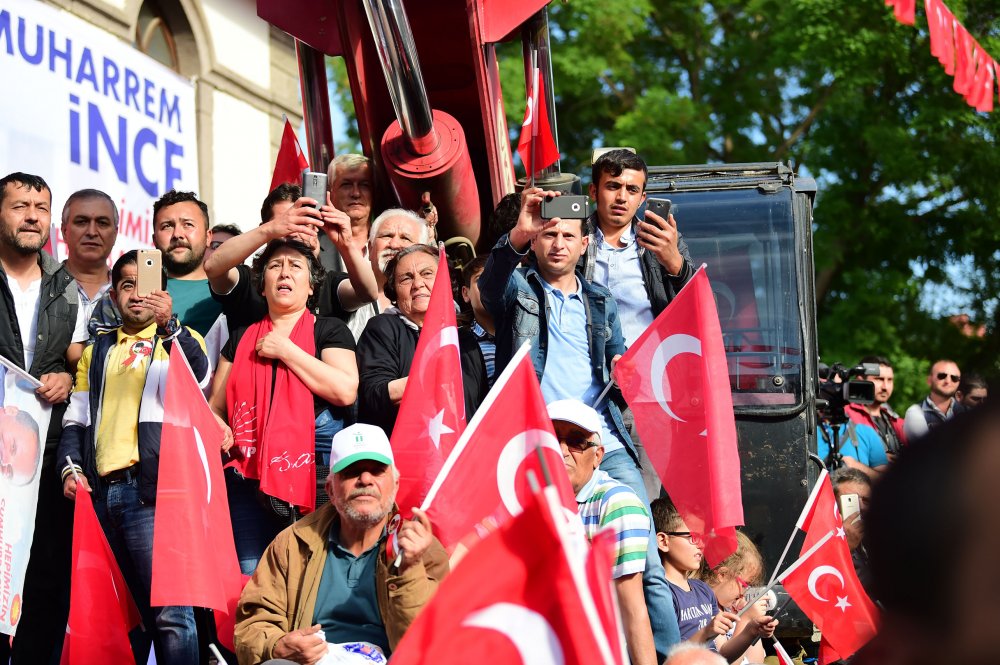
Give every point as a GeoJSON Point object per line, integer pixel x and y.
{"type": "Point", "coordinates": [486, 478]}
{"type": "Point", "coordinates": [432, 413]}
{"type": "Point", "coordinates": [676, 380]}
{"type": "Point", "coordinates": [194, 555]}
{"type": "Point", "coordinates": [821, 513]}
{"type": "Point", "coordinates": [536, 129]}
{"type": "Point", "coordinates": [526, 594]}
{"type": "Point", "coordinates": [291, 161]}
{"type": "Point", "coordinates": [824, 586]}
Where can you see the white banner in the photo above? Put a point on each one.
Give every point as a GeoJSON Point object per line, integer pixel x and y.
{"type": "Point", "coordinates": [24, 421]}
{"type": "Point", "coordinates": [83, 109]}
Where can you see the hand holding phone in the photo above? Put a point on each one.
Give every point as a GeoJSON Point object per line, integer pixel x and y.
{"type": "Point", "coordinates": [149, 270]}
{"type": "Point", "coordinates": [660, 207]}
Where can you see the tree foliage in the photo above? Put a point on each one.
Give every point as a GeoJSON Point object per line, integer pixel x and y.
{"type": "Point", "coordinates": [907, 171]}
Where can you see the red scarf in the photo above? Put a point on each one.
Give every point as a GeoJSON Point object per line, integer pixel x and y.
{"type": "Point", "coordinates": [273, 420]}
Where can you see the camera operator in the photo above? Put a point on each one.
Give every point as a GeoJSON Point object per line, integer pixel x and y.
{"type": "Point", "coordinates": [839, 441]}
{"type": "Point", "coordinates": [879, 414]}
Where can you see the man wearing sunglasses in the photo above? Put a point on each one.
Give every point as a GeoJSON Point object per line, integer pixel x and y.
{"type": "Point", "coordinates": [604, 502]}
{"type": "Point", "coordinates": [937, 407]}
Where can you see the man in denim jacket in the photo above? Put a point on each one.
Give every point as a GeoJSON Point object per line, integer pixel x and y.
{"type": "Point", "coordinates": [576, 338]}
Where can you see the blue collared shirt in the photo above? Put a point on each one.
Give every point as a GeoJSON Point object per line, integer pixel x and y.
{"type": "Point", "coordinates": [619, 270]}
{"type": "Point", "coordinates": [568, 370]}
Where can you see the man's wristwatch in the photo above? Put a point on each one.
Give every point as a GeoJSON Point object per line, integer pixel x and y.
{"type": "Point", "coordinates": [172, 328]}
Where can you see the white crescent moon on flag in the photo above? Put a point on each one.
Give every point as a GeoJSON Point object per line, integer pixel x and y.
{"type": "Point", "coordinates": [819, 572]}
{"type": "Point", "coordinates": [200, 445]}
{"type": "Point", "coordinates": [447, 336]}
{"type": "Point", "coordinates": [669, 349]}
{"type": "Point", "coordinates": [527, 630]}
{"type": "Point", "coordinates": [514, 452]}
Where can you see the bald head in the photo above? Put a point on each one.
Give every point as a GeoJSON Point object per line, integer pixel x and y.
{"type": "Point", "coordinates": [687, 653]}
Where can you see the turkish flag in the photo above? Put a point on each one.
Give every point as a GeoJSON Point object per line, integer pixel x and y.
{"type": "Point", "coordinates": [903, 9]}
{"type": "Point", "coordinates": [827, 654]}
{"type": "Point", "coordinates": [194, 556]}
{"type": "Point", "coordinates": [824, 585]}
{"type": "Point", "coordinates": [675, 379]}
{"type": "Point", "coordinates": [821, 513]}
{"type": "Point", "coordinates": [101, 611]}
{"type": "Point", "coordinates": [521, 596]}
{"type": "Point", "coordinates": [965, 66]}
{"type": "Point", "coordinates": [432, 413]}
{"type": "Point", "coordinates": [536, 128]}
{"type": "Point", "coordinates": [779, 651]}
{"type": "Point", "coordinates": [291, 161]}
{"type": "Point", "coordinates": [485, 479]}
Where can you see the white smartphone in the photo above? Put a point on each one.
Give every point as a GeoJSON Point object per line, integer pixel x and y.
{"type": "Point", "coordinates": [850, 505]}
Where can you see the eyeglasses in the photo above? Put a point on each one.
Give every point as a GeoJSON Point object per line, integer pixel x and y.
{"type": "Point", "coordinates": [687, 535]}
{"type": "Point", "coordinates": [577, 441]}
{"type": "Point", "coordinates": [941, 376]}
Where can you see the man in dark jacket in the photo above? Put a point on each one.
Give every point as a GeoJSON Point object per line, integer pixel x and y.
{"type": "Point", "coordinates": [38, 308]}
{"type": "Point", "coordinates": [112, 435]}
{"type": "Point", "coordinates": [576, 338]}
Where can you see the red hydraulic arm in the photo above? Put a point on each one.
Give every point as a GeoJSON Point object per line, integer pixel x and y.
{"type": "Point", "coordinates": [426, 89]}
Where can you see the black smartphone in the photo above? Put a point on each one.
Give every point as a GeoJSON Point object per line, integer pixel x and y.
{"type": "Point", "coordinates": [659, 206]}
{"type": "Point", "coordinates": [566, 207]}
{"type": "Point", "coordinates": [314, 186]}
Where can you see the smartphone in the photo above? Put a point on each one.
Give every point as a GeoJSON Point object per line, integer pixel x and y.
{"type": "Point", "coordinates": [150, 270]}
{"type": "Point", "coordinates": [566, 207]}
{"type": "Point", "coordinates": [850, 505]}
{"type": "Point", "coordinates": [314, 186]}
{"type": "Point", "coordinates": [660, 206]}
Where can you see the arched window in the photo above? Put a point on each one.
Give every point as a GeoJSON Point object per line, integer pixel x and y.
{"type": "Point", "coordinates": [154, 37]}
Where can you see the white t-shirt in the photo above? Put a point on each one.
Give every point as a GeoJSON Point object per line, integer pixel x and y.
{"type": "Point", "coordinates": [26, 308]}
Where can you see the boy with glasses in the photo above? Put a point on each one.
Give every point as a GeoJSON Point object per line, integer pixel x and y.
{"type": "Point", "coordinates": [940, 405]}
{"type": "Point", "coordinates": [604, 502]}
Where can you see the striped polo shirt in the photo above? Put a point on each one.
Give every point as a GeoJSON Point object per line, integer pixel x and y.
{"type": "Point", "coordinates": [604, 502]}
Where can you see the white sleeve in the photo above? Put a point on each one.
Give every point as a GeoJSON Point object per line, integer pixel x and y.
{"type": "Point", "coordinates": [914, 423]}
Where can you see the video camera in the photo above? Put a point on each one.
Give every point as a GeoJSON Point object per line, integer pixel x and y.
{"type": "Point", "coordinates": [837, 389]}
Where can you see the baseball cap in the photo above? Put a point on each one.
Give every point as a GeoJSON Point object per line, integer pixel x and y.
{"type": "Point", "coordinates": [576, 412]}
{"type": "Point", "coordinates": [359, 442]}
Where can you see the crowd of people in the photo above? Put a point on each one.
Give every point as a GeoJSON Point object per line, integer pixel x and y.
{"type": "Point", "coordinates": [305, 366]}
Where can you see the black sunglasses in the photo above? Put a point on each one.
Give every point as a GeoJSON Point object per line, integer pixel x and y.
{"type": "Point", "coordinates": [577, 441]}
{"type": "Point", "coordinates": [941, 376]}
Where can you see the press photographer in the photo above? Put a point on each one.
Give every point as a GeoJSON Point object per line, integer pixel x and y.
{"type": "Point", "coordinates": [841, 442]}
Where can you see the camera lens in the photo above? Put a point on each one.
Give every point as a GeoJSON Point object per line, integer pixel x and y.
{"type": "Point", "coordinates": [149, 263]}
{"type": "Point", "coordinates": [575, 207]}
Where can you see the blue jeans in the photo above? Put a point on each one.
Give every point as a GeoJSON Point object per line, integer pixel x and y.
{"type": "Point", "coordinates": [659, 599]}
{"type": "Point", "coordinates": [254, 526]}
{"type": "Point", "coordinates": [128, 525]}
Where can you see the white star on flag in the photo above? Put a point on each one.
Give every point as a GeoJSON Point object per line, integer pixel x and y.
{"type": "Point", "coordinates": [840, 533]}
{"type": "Point", "coordinates": [436, 427]}
{"type": "Point", "coordinates": [842, 603]}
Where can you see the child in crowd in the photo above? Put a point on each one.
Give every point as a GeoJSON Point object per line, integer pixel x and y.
{"type": "Point", "coordinates": [730, 580]}
{"type": "Point", "coordinates": [697, 606]}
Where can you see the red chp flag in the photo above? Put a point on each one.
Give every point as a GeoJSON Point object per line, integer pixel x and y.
{"type": "Point", "coordinates": [821, 513]}
{"type": "Point", "coordinates": [676, 380]}
{"type": "Point", "coordinates": [291, 161]}
{"type": "Point", "coordinates": [520, 596]}
{"type": "Point", "coordinates": [432, 413]}
{"type": "Point", "coordinates": [824, 585]}
{"type": "Point", "coordinates": [101, 611]}
{"type": "Point", "coordinates": [194, 556]}
{"type": "Point", "coordinates": [535, 128]}
{"type": "Point", "coordinates": [485, 479]}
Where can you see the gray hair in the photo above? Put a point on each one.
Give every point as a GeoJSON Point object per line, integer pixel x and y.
{"type": "Point", "coordinates": [345, 162]}
{"type": "Point", "coordinates": [425, 234]}
{"type": "Point", "coordinates": [86, 194]}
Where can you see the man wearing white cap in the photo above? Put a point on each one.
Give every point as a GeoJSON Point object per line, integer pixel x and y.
{"type": "Point", "coordinates": [330, 577]}
{"type": "Point", "coordinates": [604, 502]}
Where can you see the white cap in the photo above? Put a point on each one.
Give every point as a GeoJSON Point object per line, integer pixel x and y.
{"type": "Point", "coordinates": [359, 442]}
{"type": "Point", "coordinates": [576, 412]}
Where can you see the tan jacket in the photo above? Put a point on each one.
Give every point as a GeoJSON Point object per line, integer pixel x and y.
{"type": "Point", "coordinates": [281, 596]}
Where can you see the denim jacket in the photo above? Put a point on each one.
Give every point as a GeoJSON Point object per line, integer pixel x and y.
{"type": "Point", "coordinates": [516, 299]}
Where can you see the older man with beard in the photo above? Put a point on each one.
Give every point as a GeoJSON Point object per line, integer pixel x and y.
{"type": "Point", "coordinates": [329, 577]}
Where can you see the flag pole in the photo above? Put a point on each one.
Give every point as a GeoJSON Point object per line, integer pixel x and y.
{"type": "Point", "coordinates": [604, 393]}
{"type": "Point", "coordinates": [533, 98]}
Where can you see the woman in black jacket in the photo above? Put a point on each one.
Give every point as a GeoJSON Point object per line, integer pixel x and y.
{"type": "Point", "coordinates": [385, 350]}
